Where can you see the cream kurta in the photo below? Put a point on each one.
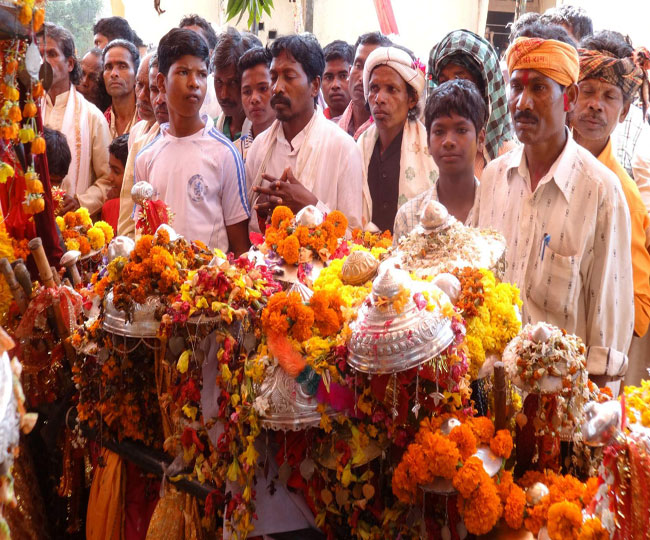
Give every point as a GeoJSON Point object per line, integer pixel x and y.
{"type": "Point", "coordinates": [138, 139]}
{"type": "Point", "coordinates": [322, 157]}
{"type": "Point", "coordinates": [92, 186]}
{"type": "Point", "coordinates": [582, 280]}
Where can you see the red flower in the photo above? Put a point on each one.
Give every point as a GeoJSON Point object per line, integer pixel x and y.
{"type": "Point", "coordinates": [190, 437]}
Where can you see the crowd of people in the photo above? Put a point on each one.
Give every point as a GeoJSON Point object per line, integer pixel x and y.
{"type": "Point", "coordinates": [548, 145]}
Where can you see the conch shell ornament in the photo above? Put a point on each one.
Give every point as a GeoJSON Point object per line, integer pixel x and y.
{"type": "Point", "coordinates": [142, 191]}
{"type": "Point", "coordinates": [359, 268]}
{"type": "Point", "coordinates": [435, 216]}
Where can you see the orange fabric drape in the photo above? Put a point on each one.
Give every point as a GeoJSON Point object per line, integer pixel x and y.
{"type": "Point", "coordinates": [387, 22]}
{"type": "Point", "coordinates": [105, 517]}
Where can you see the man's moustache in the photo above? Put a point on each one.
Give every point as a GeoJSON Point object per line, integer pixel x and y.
{"type": "Point", "coordinates": [279, 100]}
{"type": "Point", "coordinates": [525, 115]}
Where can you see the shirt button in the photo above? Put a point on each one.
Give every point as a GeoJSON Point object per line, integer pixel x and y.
{"type": "Point", "coordinates": [383, 175]}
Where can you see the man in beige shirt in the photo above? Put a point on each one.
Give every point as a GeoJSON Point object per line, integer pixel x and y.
{"type": "Point", "coordinates": [138, 139]}
{"type": "Point", "coordinates": [562, 212]}
{"type": "Point", "coordinates": [84, 126]}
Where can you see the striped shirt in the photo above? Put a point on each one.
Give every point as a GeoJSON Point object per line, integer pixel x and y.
{"type": "Point", "coordinates": [568, 244]}
{"type": "Point", "coordinates": [200, 178]}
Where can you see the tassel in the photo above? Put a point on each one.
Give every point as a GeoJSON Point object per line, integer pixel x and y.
{"type": "Point", "coordinates": [289, 359]}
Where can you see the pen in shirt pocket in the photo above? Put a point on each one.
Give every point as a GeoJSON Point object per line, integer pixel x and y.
{"type": "Point", "coordinates": [545, 241]}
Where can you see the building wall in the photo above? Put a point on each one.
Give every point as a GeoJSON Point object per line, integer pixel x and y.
{"type": "Point", "coordinates": [421, 23]}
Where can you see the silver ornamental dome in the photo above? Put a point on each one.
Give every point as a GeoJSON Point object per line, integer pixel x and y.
{"type": "Point", "coordinates": [143, 323]}
{"type": "Point", "coordinates": [288, 406]}
{"type": "Point", "coordinates": [385, 341]}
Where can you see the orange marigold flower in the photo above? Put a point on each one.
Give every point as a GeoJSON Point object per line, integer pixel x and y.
{"type": "Point", "coordinates": [592, 529]}
{"type": "Point", "coordinates": [514, 507]}
{"type": "Point", "coordinates": [501, 444]}
{"type": "Point", "coordinates": [482, 427]}
{"type": "Point", "coordinates": [482, 511]}
{"type": "Point", "coordinates": [590, 490]}
{"type": "Point", "coordinates": [280, 214]}
{"type": "Point", "coordinates": [465, 441]}
{"type": "Point", "coordinates": [328, 317]}
{"type": "Point", "coordinates": [70, 220]}
{"type": "Point", "coordinates": [504, 485]}
{"type": "Point", "coordinates": [38, 145]}
{"type": "Point", "coordinates": [470, 476]}
{"type": "Point", "coordinates": [566, 488]}
{"type": "Point", "coordinates": [84, 245]}
{"type": "Point", "coordinates": [143, 246]}
{"type": "Point", "coordinates": [531, 477]}
{"type": "Point", "coordinates": [339, 222]}
{"type": "Point", "coordinates": [564, 521]}
{"type": "Point", "coordinates": [290, 249]}
{"type": "Point", "coordinates": [442, 455]}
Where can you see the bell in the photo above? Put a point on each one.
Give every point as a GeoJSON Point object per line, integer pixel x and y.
{"type": "Point", "coordinates": [535, 493]}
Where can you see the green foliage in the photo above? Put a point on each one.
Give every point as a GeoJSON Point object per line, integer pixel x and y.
{"type": "Point", "coordinates": [78, 16]}
{"type": "Point", "coordinates": [255, 9]}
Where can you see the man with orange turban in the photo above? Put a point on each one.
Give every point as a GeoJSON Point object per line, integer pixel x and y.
{"type": "Point", "coordinates": [562, 212]}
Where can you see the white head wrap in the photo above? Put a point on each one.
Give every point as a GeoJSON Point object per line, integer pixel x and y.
{"type": "Point", "coordinates": [400, 61]}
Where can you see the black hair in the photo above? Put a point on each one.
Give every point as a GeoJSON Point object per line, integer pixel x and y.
{"type": "Point", "coordinates": [573, 16]}
{"type": "Point", "coordinates": [65, 41]}
{"type": "Point", "coordinates": [253, 57]}
{"type": "Point", "coordinates": [527, 18]}
{"type": "Point", "coordinates": [119, 147]}
{"type": "Point", "coordinates": [610, 41]}
{"type": "Point", "coordinates": [465, 60]}
{"type": "Point", "coordinates": [458, 96]}
{"type": "Point", "coordinates": [305, 49]}
{"type": "Point", "coordinates": [137, 40]}
{"type": "Point", "coordinates": [129, 46]}
{"type": "Point", "coordinates": [95, 52]}
{"type": "Point", "coordinates": [372, 38]}
{"type": "Point", "coordinates": [57, 151]}
{"type": "Point", "coordinates": [339, 50]}
{"type": "Point", "coordinates": [208, 32]}
{"type": "Point", "coordinates": [114, 28]}
{"type": "Point", "coordinates": [540, 29]}
{"type": "Point", "coordinates": [231, 45]}
{"type": "Point", "coordinates": [180, 42]}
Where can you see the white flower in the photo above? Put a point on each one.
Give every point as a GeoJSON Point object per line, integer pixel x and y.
{"type": "Point", "coordinates": [261, 405]}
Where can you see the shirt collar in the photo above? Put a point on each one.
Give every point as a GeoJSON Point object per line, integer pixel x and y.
{"type": "Point", "coordinates": [297, 141]}
{"type": "Point", "coordinates": [559, 173]}
{"type": "Point", "coordinates": [209, 124]}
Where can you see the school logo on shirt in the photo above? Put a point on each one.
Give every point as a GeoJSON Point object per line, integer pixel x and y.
{"type": "Point", "coordinates": [196, 188]}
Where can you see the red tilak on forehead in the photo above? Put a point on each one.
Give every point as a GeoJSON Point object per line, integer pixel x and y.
{"type": "Point", "coordinates": [524, 77]}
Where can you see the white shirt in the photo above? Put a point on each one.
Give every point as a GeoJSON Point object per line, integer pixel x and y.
{"type": "Point", "coordinates": [641, 165]}
{"type": "Point", "coordinates": [201, 178]}
{"type": "Point", "coordinates": [336, 174]}
{"type": "Point", "coordinates": [583, 283]}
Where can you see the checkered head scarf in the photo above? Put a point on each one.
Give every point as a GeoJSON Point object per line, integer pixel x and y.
{"type": "Point", "coordinates": [479, 57]}
{"type": "Point", "coordinates": [629, 74]}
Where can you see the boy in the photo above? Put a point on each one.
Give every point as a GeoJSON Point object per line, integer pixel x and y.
{"type": "Point", "coordinates": [58, 155]}
{"type": "Point", "coordinates": [195, 170]}
{"type": "Point", "coordinates": [455, 119]}
{"type": "Point", "coordinates": [118, 152]}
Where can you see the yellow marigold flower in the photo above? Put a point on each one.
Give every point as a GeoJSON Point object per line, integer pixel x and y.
{"type": "Point", "coordinates": [83, 217]}
{"type": "Point", "coordinates": [106, 229]}
{"type": "Point", "coordinates": [96, 238]}
{"type": "Point", "coordinates": [6, 171]}
{"type": "Point", "coordinates": [60, 223]}
{"type": "Point", "coordinates": [72, 244]}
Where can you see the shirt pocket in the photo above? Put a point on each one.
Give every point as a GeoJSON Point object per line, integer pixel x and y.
{"type": "Point", "coordinates": [555, 282]}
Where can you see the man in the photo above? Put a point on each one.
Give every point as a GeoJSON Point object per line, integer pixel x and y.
{"type": "Point", "coordinates": [198, 24]}
{"type": "Point", "coordinates": [110, 28]}
{"type": "Point", "coordinates": [561, 211]}
{"type": "Point", "coordinates": [142, 99]}
{"type": "Point", "coordinates": [66, 110]}
{"type": "Point", "coordinates": [90, 86]}
{"type": "Point", "coordinates": [255, 95]}
{"type": "Point", "coordinates": [126, 225]}
{"type": "Point", "coordinates": [396, 163]}
{"type": "Point", "coordinates": [227, 81]}
{"type": "Point", "coordinates": [338, 61]}
{"type": "Point", "coordinates": [610, 80]}
{"type": "Point", "coordinates": [356, 118]}
{"type": "Point", "coordinates": [573, 19]}
{"type": "Point", "coordinates": [303, 158]}
{"type": "Point", "coordinates": [461, 54]}
{"type": "Point", "coordinates": [121, 61]}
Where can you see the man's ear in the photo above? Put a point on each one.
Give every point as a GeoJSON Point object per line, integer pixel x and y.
{"type": "Point", "coordinates": [480, 140]}
{"type": "Point", "coordinates": [70, 61]}
{"type": "Point", "coordinates": [571, 93]}
{"type": "Point", "coordinates": [161, 81]}
{"type": "Point", "coordinates": [315, 86]}
{"type": "Point", "coordinates": [624, 111]}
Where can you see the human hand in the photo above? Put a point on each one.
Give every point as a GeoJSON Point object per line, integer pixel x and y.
{"type": "Point", "coordinates": [286, 190]}
{"type": "Point", "coordinates": [69, 204]}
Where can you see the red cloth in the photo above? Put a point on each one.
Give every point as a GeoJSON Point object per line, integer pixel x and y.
{"type": "Point", "coordinates": [111, 212]}
{"type": "Point", "coordinates": [140, 499]}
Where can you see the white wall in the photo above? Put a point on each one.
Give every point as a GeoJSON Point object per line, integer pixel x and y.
{"type": "Point", "coordinates": [421, 23]}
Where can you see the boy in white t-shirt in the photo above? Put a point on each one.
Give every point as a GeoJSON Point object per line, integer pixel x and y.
{"type": "Point", "coordinates": [193, 167]}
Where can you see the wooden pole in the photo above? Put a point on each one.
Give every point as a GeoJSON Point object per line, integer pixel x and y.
{"type": "Point", "coordinates": [500, 416]}
{"type": "Point", "coordinates": [14, 286]}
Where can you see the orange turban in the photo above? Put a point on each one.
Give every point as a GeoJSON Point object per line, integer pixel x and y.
{"type": "Point", "coordinates": [554, 59]}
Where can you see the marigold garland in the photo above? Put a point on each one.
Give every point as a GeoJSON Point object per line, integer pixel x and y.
{"type": "Point", "coordinates": [514, 508]}
{"type": "Point", "coordinates": [592, 529]}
